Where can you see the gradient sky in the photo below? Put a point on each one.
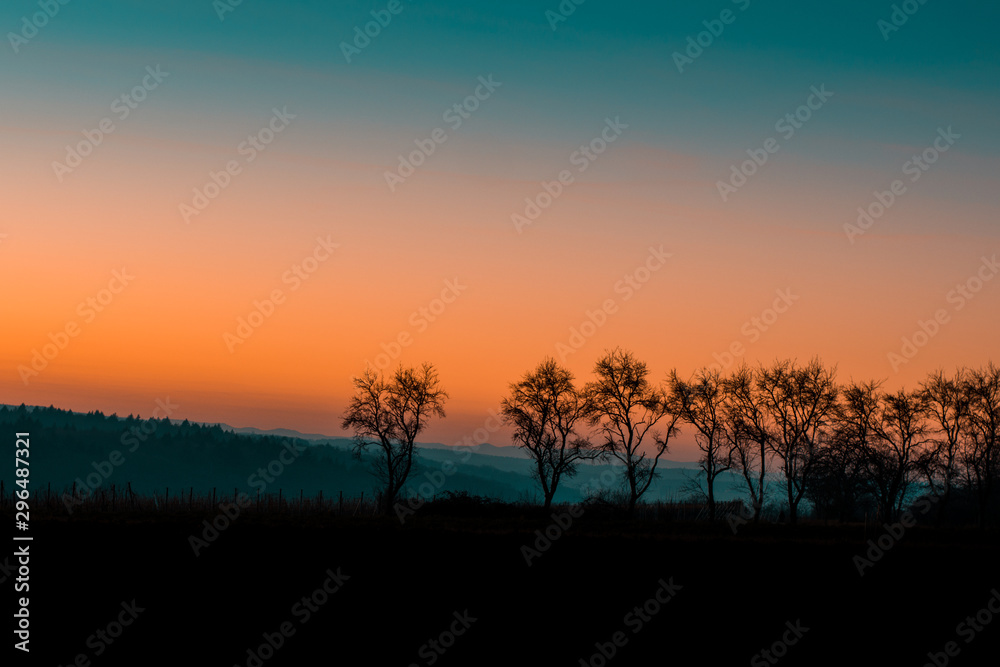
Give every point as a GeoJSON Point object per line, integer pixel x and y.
{"type": "Point", "coordinates": [323, 176]}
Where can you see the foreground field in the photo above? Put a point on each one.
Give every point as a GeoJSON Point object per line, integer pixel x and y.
{"type": "Point", "coordinates": [457, 590]}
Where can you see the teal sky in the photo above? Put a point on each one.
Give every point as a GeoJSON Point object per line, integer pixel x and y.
{"type": "Point", "coordinates": [606, 55]}
{"type": "Point", "coordinates": [656, 186]}
{"type": "Point", "coordinates": [941, 67]}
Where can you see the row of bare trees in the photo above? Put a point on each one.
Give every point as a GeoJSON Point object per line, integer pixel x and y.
{"type": "Point", "coordinates": [839, 446]}
{"type": "Point", "coordinates": [621, 405]}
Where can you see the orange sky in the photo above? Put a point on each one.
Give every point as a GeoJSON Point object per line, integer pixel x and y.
{"type": "Point", "coordinates": [518, 296]}
{"type": "Point", "coordinates": [323, 177]}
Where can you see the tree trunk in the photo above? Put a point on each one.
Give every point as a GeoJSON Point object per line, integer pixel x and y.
{"type": "Point", "coordinates": [711, 501]}
{"type": "Point", "coordinates": [759, 500]}
{"type": "Point", "coordinates": [793, 507]}
{"type": "Point", "coordinates": [548, 500]}
{"type": "Point", "coordinates": [389, 498]}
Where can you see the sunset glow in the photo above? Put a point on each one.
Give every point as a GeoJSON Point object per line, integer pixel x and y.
{"type": "Point", "coordinates": [250, 233]}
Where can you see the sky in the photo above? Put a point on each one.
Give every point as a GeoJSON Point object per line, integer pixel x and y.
{"type": "Point", "coordinates": [237, 206]}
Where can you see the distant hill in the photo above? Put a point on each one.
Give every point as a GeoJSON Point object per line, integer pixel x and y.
{"type": "Point", "coordinates": [277, 432]}
{"type": "Point", "coordinates": [156, 455]}
{"type": "Point", "coordinates": [484, 449]}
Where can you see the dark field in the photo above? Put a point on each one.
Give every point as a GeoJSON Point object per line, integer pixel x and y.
{"type": "Point", "coordinates": [404, 585]}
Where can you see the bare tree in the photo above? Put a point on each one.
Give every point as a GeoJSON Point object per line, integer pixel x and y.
{"type": "Point", "coordinates": [981, 451]}
{"type": "Point", "coordinates": [903, 428]}
{"type": "Point", "coordinates": [748, 434]}
{"type": "Point", "coordinates": [889, 431]}
{"type": "Point", "coordinates": [545, 407]}
{"type": "Point", "coordinates": [800, 402]}
{"type": "Point", "coordinates": [948, 409]}
{"type": "Point", "coordinates": [847, 462]}
{"type": "Point", "coordinates": [699, 402]}
{"type": "Point", "coordinates": [839, 486]}
{"type": "Point", "coordinates": [387, 415]}
{"type": "Point", "coordinates": [625, 408]}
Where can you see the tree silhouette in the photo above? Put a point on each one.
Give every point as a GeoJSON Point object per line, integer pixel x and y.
{"type": "Point", "coordinates": [981, 451]}
{"type": "Point", "coordinates": [901, 430]}
{"type": "Point", "coordinates": [839, 487]}
{"type": "Point", "coordinates": [700, 402]}
{"type": "Point", "coordinates": [749, 433]}
{"type": "Point", "coordinates": [625, 407]}
{"type": "Point", "coordinates": [948, 412]}
{"type": "Point", "coordinates": [800, 402]}
{"type": "Point", "coordinates": [544, 407]}
{"type": "Point", "coordinates": [887, 431]}
{"type": "Point", "coordinates": [387, 415]}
